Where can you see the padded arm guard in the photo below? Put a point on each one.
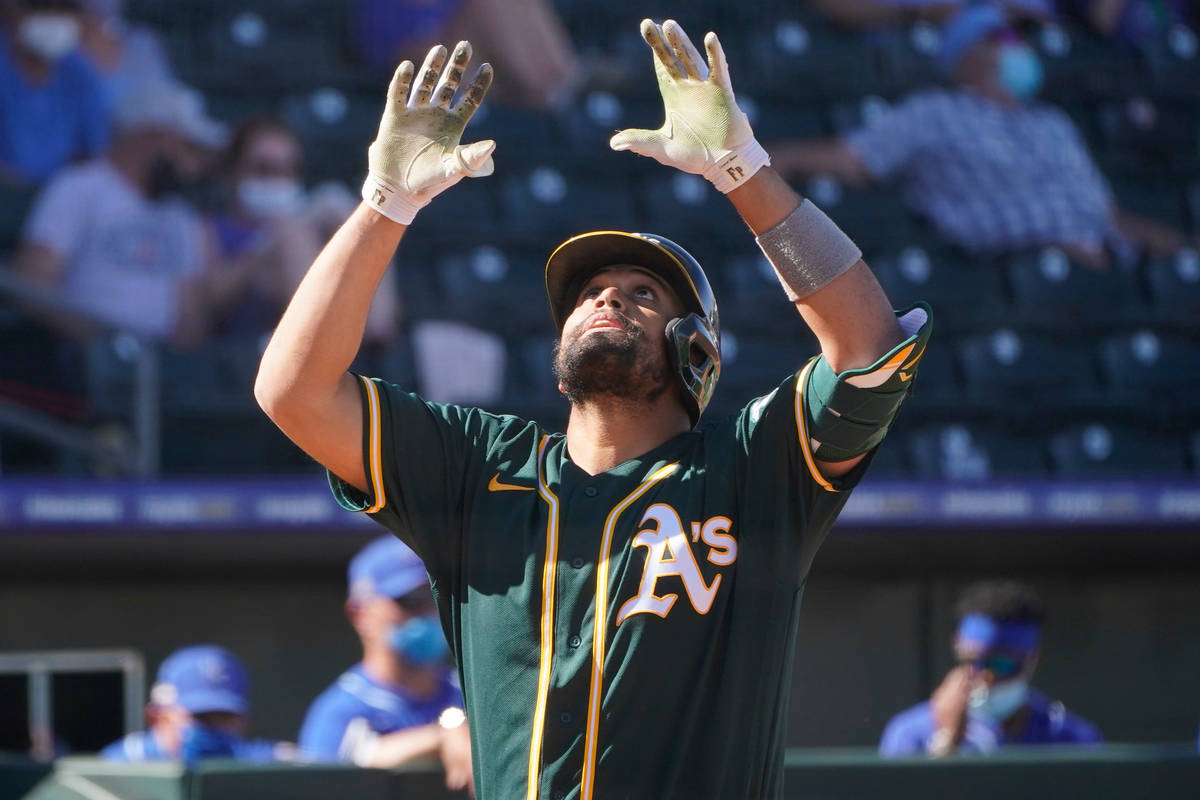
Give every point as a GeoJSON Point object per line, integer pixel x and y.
{"type": "Point", "coordinates": [850, 413]}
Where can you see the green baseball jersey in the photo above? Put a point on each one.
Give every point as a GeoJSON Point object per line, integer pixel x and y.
{"type": "Point", "coordinates": [621, 635]}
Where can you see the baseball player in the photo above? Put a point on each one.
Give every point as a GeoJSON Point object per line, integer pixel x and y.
{"type": "Point", "coordinates": [622, 599]}
{"type": "Point", "coordinates": [402, 701]}
{"type": "Point", "coordinates": [199, 708]}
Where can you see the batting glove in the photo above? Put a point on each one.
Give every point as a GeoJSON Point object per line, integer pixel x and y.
{"type": "Point", "coordinates": [417, 153]}
{"type": "Point", "coordinates": [705, 132]}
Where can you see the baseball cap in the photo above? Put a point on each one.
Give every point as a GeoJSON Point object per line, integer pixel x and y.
{"type": "Point", "coordinates": [172, 106]}
{"type": "Point", "coordinates": [386, 568]}
{"type": "Point", "coordinates": [578, 257]}
{"type": "Point", "coordinates": [966, 28]}
{"type": "Point", "coordinates": [202, 678]}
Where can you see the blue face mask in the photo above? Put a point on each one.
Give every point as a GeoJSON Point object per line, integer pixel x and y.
{"type": "Point", "coordinates": [200, 742]}
{"type": "Point", "coordinates": [1020, 70]}
{"type": "Point", "coordinates": [420, 642]}
{"type": "Point", "coordinates": [998, 703]}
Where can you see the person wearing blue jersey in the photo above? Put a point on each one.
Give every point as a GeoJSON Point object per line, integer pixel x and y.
{"type": "Point", "coordinates": [986, 702]}
{"type": "Point", "coordinates": [199, 708]}
{"type": "Point", "coordinates": [403, 700]}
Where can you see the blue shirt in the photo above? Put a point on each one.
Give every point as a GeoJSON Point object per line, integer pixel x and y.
{"type": "Point", "coordinates": [43, 127]}
{"type": "Point", "coordinates": [142, 746]}
{"type": "Point", "coordinates": [345, 719]}
{"type": "Point", "coordinates": [908, 733]}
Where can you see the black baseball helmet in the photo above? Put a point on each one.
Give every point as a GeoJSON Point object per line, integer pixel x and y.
{"type": "Point", "coordinates": [694, 338]}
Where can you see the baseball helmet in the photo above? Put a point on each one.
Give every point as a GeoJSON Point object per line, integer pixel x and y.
{"type": "Point", "coordinates": [694, 339]}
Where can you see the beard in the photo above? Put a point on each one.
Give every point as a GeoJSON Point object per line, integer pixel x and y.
{"type": "Point", "coordinates": [620, 365]}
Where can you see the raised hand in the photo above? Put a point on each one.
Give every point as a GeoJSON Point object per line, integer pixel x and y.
{"type": "Point", "coordinates": [417, 153]}
{"type": "Point", "coordinates": [705, 132]}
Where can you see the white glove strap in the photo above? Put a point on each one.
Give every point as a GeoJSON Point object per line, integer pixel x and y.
{"type": "Point", "coordinates": [390, 200]}
{"type": "Point", "coordinates": [737, 166]}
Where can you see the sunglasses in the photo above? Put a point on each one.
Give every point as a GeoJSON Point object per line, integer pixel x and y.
{"type": "Point", "coordinates": [1001, 665]}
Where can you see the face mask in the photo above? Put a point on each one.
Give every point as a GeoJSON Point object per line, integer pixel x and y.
{"type": "Point", "coordinates": [1020, 70]}
{"type": "Point", "coordinates": [200, 741]}
{"type": "Point", "coordinates": [420, 642]}
{"type": "Point", "coordinates": [270, 197]}
{"type": "Point", "coordinates": [163, 179]}
{"type": "Point", "coordinates": [998, 703]}
{"type": "Point", "coordinates": [51, 36]}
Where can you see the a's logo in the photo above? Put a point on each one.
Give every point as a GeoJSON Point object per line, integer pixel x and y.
{"type": "Point", "coordinates": [495, 485]}
{"type": "Point", "coordinates": [669, 553]}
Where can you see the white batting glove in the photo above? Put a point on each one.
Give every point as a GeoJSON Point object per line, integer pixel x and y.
{"type": "Point", "coordinates": [705, 132]}
{"type": "Point", "coordinates": [417, 153]}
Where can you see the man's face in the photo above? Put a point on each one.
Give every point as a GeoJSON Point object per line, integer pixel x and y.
{"type": "Point", "coordinates": [613, 343]}
{"type": "Point", "coordinates": [991, 667]}
{"type": "Point", "coordinates": [169, 722]}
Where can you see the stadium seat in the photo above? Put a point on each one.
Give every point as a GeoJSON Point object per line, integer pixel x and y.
{"type": "Point", "coordinates": [965, 296]}
{"type": "Point", "coordinates": [336, 127]}
{"type": "Point", "coordinates": [800, 56]}
{"type": "Point", "coordinates": [755, 303]}
{"type": "Point", "coordinates": [1174, 63]}
{"type": "Point", "coordinates": [1090, 450]}
{"type": "Point", "coordinates": [15, 202]}
{"type": "Point", "coordinates": [280, 50]}
{"type": "Point", "coordinates": [1175, 288]}
{"type": "Point", "coordinates": [1022, 375]}
{"type": "Point", "coordinates": [547, 201]}
{"type": "Point", "coordinates": [960, 451]}
{"type": "Point", "coordinates": [1080, 64]}
{"type": "Point", "coordinates": [678, 201]}
{"type": "Point", "coordinates": [495, 289]}
{"type": "Point", "coordinates": [753, 365]}
{"type": "Point", "coordinates": [1156, 373]}
{"type": "Point", "coordinates": [1052, 293]}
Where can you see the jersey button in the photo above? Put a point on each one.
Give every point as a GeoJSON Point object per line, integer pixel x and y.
{"type": "Point", "coordinates": [565, 718]}
{"type": "Point", "coordinates": [577, 562]}
{"type": "Point", "coordinates": [590, 491]}
{"type": "Point", "coordinates": [574, 641]}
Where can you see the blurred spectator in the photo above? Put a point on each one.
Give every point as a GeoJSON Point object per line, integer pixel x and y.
{"type": "Point", "coordinates": [402, 701]}
{"type": "Point", "coordinates": [199, 708]}
{"type": "Point", "coordinates": [990, 167]}
{"type": "Point", "coordinates": [524, 39]}
{"type": "Point", "coordinates": [1134, 22]}
{"type": "Point", "coordinates": [272, 229]}
{"type": "Point", "coordinates": [51, 103]}
{"type": "Point", "coordinates": [876, 13]}
{"type": "Point", "coordinates": [123, 55]}
{"type": "Point", "coordinates": [986, 701]}
{"type": "Point", "coordinates": [115, 240]}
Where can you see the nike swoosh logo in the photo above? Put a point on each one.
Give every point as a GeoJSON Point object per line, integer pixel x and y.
{"type": "Point", "coordinates": [494, 485]}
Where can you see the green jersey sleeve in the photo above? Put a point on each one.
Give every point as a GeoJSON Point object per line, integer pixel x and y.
{"type": "Point", "coordinates": [422, 461]}
{"type": "Point", "coordinates": [779, 469]}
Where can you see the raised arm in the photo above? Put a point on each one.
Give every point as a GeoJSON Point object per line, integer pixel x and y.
{"type": "Point", "coordinates": [865, 348]}
{"type": "Point", "coordinates": [303, 384]}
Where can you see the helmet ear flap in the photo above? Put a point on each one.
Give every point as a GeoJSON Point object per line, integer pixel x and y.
{"type": "Point", "coordinates": [695, 355]}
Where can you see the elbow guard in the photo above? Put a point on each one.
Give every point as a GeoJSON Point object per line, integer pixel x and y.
{"type": "Point", "coordinates": [849, 414]}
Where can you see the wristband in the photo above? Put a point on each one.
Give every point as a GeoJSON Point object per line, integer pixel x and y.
{"type": "Point", "coordinates": [735, 168]}
{"type": "Point", "coordinates": [807, 250]}
{"type": "Point", "coordinates": [389, 200]}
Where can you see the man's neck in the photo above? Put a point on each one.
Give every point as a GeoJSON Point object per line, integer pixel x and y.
{"type": "Point", "coordinates": [992, 92]}
{"type": "Point", "coordinates": [601, 436]}
{"type": "Point", "coordinates": [35, 69]}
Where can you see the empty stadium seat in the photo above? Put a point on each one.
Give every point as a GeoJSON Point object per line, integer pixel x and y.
{"type": "Point", "coordinates": [1092, 450]}
{"type": "Point", "coordinates": [1175, 288]}
{"type": "Point", "coordinates": [336, 127]}
{"type": "Point", "coordinates": [545, 200]}
{"type": "Point", "coordinates": [1051, 292]}
{"type": "Point", "coordinates": [755, 302]}
{"type": "Point", "coordinates": [675, 200]}
{"type": "Point", "coordinates": [1024, 375]}
{"type": "Point", "coordinates": [959, 451]}
{"type": "Point", "coordinates": [966, 296]}
{"type": "Point", "coordinates": [798, 56]}
{"type": "Point", "coordinates": [495, 289]}
{"type": "Point", "coordinates": [752, 366]}
{"type": "Point", "coordinates": [1159, 375]}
